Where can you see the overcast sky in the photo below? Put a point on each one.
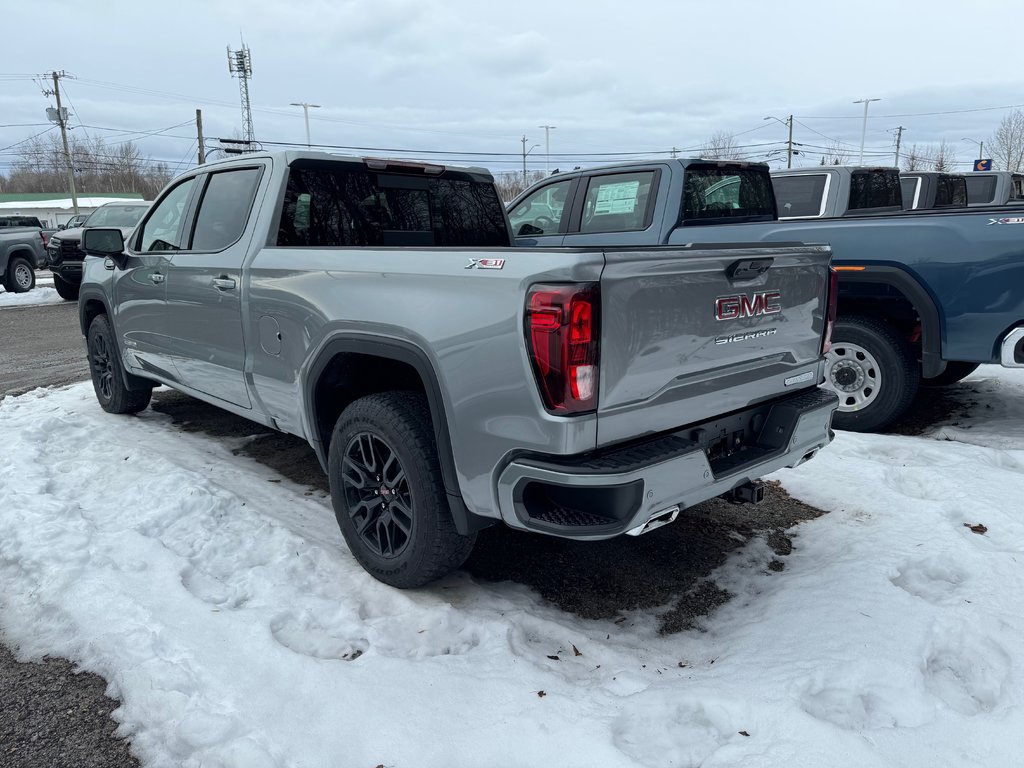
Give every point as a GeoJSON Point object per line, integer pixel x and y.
{"type": "Point", "coordinates": [463, 76]}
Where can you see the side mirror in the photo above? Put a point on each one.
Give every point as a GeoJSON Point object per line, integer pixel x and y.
{"type": "Point", "coordinates": [105, 242]}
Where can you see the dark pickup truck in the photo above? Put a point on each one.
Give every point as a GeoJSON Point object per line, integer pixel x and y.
{"type": "Point", "coordinates": [22, 252]}
{"type": "Point", "coordinates": [924, 294]}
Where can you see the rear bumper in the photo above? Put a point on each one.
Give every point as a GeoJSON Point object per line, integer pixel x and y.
{"type": "Point", "coordinates": [1011, 353]}
{"type": "Point", "coordinates": [606, 493]}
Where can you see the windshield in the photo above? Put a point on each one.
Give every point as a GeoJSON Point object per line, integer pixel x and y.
{"type": "Point", "coordinates": [116, 216]}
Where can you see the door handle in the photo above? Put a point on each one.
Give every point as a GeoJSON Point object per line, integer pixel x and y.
{"type": "Point", "coordinates": [223, 283]}
{"type": "Point", "coordinates": [156, 277]}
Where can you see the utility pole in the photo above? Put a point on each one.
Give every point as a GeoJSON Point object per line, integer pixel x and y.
{"type": "Point", "coordinates": [864, 128]}
{"type": "Point", "coordinates": [305, 110]}
{"type": "Point", "coordinates": [60, 116]}
{"type": "Point", "coordinates": [675, 153]}
{"type": "Point", "coordinates": [526, 151]}
{"type": "Point", "coordinates": [899, 138]}
{"type": "Point", "coordinates": [199, 132]}
{"type": "Point", "coordinates": [789, 142]}
{"type": "Point", "coordinates": [547, 146]}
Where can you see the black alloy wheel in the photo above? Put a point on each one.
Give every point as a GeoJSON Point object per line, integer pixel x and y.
{"type": "Point", "coordinates": [377, 494]}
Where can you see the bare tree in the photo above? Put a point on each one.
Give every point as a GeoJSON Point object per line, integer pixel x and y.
{"type": "Point", "coordinates": [943, 156]}
{"type": "Point", "coordinates": [1007, 145]}
{"type": "Point", "coordinates": [721, 146]}
{"type": "Point", "coordinates": [510, 183]}
{"type": "Point", "coordinates": [912, 159]}
{"type": "Point", "coordinates": [835, 155]}
{"type": "Point", "coordinates": [42, 167]}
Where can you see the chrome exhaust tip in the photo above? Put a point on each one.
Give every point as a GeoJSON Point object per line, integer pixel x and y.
{"type": "Point", "coordinates": [658, 519]}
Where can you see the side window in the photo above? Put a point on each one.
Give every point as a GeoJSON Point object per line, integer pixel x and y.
{"type": "Point", "coordinates": [162, 230]}
{"type": "Point", "coordinates": [224, 209]}
{"type": "Point", "coordinates": [800, 194]}
{"type": "Point", "coordinates": [327, 205]}
{"type": "Point", "coordinates": [541, 212]}
{"type": "Point", "coordinates": [617, 203]}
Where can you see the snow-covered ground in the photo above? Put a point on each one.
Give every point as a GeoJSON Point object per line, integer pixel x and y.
{"type": "Point", "coordinates": [237, 630]}
{"type": "Point", "coordinates": [43, 293]}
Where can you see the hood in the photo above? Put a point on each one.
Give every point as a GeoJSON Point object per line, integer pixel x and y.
{"type": "Point", "coordinates": [76, 233]}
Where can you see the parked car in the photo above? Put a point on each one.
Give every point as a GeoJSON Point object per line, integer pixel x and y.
{"type": "Point", "coordinates": [445, 380]}
{"type": "Point", "coordinates": [20, 221]}
{"type": "Point", "coordinates": [75, 221]}
{"type": "Point", "coordinates": [925, 294]}
{"type": "Point", "coordinates": [64, 253]}
{"type": "Point", "coordinates": [21, 254]}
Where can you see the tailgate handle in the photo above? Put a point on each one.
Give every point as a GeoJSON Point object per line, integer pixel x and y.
{"type": "Point", "coordinates": [748, 269]}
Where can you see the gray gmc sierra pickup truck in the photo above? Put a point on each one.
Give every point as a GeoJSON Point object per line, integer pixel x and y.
{"type": "Point", "coordinates": [447, 380]}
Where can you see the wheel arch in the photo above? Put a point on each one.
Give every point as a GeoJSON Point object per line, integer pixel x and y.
{"type": "Point", "coordinates": [92, 304]}
{"type": "Point", "coordinates": [858, 284]}
{"type": "Point", "coordinates": [351, 366]}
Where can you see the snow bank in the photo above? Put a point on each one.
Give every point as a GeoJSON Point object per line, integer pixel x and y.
{"type": "Point", "coordinates": [238, 631]}
{"type": "Point", "coordinates": [36, 297]}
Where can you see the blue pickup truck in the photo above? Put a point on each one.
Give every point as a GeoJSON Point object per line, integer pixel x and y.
{"type": "Point", "coordinates": [925, 296]}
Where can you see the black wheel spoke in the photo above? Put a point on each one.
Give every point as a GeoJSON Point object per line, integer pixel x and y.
{"type": "Point", "coordinates": [376, 494]}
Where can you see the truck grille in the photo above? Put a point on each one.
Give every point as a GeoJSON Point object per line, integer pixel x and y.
{"type": "Point", "coordinates": [69, 250]}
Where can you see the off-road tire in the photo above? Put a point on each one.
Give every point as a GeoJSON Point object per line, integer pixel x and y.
{"type": "Point", "coordinates": [955, 371]}
{"type": "Point", "coordinates": [20, 277]}
{"type": "Point", "coordinates": [108, 374]}
{"type": "Point", "coordinates": [66, 290]}
{"type": "Point", "coordinates": [876, 351]}
{"type": "Point", "coordinates": [398, 422]}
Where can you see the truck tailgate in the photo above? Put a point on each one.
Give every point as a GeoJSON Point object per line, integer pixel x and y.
{"type": "Point", "coordinates": [697, 331]}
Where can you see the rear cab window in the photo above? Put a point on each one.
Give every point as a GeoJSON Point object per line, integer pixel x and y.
{"type": "Point", "coordinates": [950, 192]}
{"type": "Point", "coordinates": [726, 193]}
{"type": "Point", "coordinates": [875, 190]}
{"type": "Point", "coordinates": [909, 187]}
{"type": "Point", "coordinates": [981, 189]}
{"type": "Point", "coordinates": [345, 204]}
{"type": "Point", "coordinates": [801, 195]}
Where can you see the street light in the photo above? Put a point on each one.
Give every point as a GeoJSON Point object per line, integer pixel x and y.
{"type": "Point", "coordinates": [981, 147]}
{"type": "Point", "coordinates": [305, 111]}
{"type": "Point", "coordinates": [525, 153]}
{"type": "Point", "coordinates": [789, 144]}
{"type": "Point", "coordinates": [547, 146]}
{"type": "Point", "coordinates": [864, 128]}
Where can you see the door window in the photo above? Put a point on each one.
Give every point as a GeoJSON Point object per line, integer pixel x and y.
{"type": "Point", "coordinates": [162, 230]}
{"type": "Point", "coordinates": [541, 212]}
{"type": "Point", "coordinates": [224, 209]}
{"type": "Point", "coordinates": [617, 202]}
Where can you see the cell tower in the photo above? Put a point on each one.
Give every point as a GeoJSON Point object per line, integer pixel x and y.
{"type": "Point", "coordinates": [240, 66]}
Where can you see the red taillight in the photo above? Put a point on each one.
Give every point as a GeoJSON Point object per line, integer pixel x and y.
{"type": "Point", "coordinates": [562, 332]}
{"type": "Point", "coordinates": [43, 235]}
{"type": "Point", "coordinates": [833, 309]}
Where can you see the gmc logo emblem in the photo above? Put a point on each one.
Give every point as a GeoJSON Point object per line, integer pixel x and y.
{"type": "Point", "coordinates": [736, 307]}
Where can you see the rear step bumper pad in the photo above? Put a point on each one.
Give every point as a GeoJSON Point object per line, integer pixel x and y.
{"type": "Point", "coordinates": [606, 493]}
